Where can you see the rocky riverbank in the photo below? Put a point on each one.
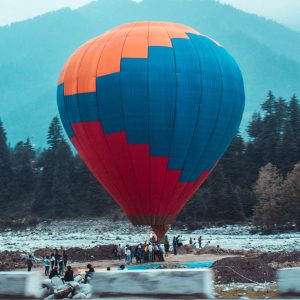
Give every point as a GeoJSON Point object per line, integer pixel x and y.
{"type": "Point", "coordinates": [230, 265]}
{"type": "Point", "coordinates": [90, 232]}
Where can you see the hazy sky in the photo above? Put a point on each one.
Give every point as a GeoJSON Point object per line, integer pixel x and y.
{"type": "Point", "coordinates": [283, 11]}
{"type": "Point", "coordinates": [17, 10]}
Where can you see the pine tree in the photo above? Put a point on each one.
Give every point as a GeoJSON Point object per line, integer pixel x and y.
{"type": "Point", "coordinates": [55, 133]}
{"type": "Point", "coordinates": [254, 127]}
{"type": "Point", "coordinates": [23, 156]}
{"type": "Point", "coordinates": [268, 139]}
{"type": "Point", "coordinates": [232, 161]}
{"type": "Point", "coordinates": [248, 199]}
{"type": "Point", "coordinates": [91, 197]}
{"type": "Point", "coordinates": [294, 120]}
{"type": "Point", "coordinates": [42, 205]}
{"type": "Point", "coordinates": [54, 193]}
{"type": "Point", "coordinates": [63, 202]}
{"type": "Point", "coordinates": [280, 113]}
{"type": "Point", "coordinates": [223, 203]}
{"type": "Point", "coordinates": [268, 190]}
{"type": "Point", "coordinates": [195, 212]}
{"type": "Point", "coordinates": [268, 105]}
{"type": "Point", "coordinates": [291, 197]}
{"type": "Point", "coordinates": [287, 151]}
{"type": "Point", "coordinates": [6, 175]}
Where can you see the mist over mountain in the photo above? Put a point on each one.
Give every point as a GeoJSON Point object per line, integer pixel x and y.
{"type": "Point", "coordinates": [32, 53]}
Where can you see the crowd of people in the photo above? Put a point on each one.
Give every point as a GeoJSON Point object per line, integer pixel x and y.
{"type": "Point", "coordinates": [152, 250]}
{"type": "Point", "coordinates": [56, 265]}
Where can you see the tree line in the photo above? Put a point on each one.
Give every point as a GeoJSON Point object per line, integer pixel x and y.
{"type": "Point", "coordinates": [239, 190]}
{"type": "Point", "coordinates": [256, 179]}
{"type": "Point", "coordinates": [48, 183]}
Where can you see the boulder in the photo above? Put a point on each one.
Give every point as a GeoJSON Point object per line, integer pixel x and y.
{"type": "Point", "coordinates": [78, 278]}
{"type": "Point", "coordinates": [79, 296]}
{"type": "Point", "coordinates": [63, 293]}
{"type": "Point", "coordinates": [86, 289]}
{"type": "Point", "coordinates": [56, 281]}
{"type": "Point", "coordinates": [47, 283]}
{"type": "Point", "coordinates": [74, 284]}
{"type": "Point", "coordinates": [186, 249]}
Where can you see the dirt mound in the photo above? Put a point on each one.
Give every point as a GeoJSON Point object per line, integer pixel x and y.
{"type": "Point", "coordinates": [243, 269]}
{"type": "Point", "coordinates": [192, 249]}
{"type": "Point", "coordinates": [254, 267]}
{"type": "Point", "coordinates": [187, 249]}
{"type": "Point", "coordinates": [280, 257]}
{"type": "Point", "coordinates": [221, 251]}
{"type": "Point", "coordinates": [81, 255]}
{"type": "Point", "coordinates": [11, 260]}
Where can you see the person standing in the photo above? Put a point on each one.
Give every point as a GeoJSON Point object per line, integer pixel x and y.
{"type": "Point", "coordinates": [174, 245]}
{"type": "Point", "coordinates": [61, 266]}
{"type": "Point", "coordinates": [156, 252]}
{"type": "Point", "coordinates": [57, 257]}
{"type": "Point", "coordinates": [139, 254]}
{"type": "Point", "coordinates": [191, 241]}
{"type": "Point", "coordinates": [65, 258]}
{"type": "Point", "coordinates": [47, 265]}
{"type": "Point", "coordinates": [114, 252]}
{"type": "Point", "coordinates": [119, 252]}
{"type": "Point", "coordinates": [200, 241]}
{"type": "Point", "coordinates": [161, 252]}
{"type": "Point", "coordinates": [179, 241]}
{"type": "Point", "coordinates": [52, 260]}
{"type": "Point", "coordinates": [145, 252]}
{"type": "Point", "coordinates": [128, 255]}
{"type": "Point", "coordinates": [167, 246]}
{"type": "Point", "coordinates": [29, 263]}
{"type": "Point", "coordinates": [150, 252]}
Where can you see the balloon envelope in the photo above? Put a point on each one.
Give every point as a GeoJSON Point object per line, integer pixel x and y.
{"type": "Point", "coordinates": [151, 107]}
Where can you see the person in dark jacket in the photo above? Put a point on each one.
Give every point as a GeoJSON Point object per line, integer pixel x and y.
{"type": "Point", "coordinates": [57, 257]}
{"type": "Point", "coordinates": [29, 262]}
{"type": "Point", "coordinates": [139, 253]}
{"type": "Point", "coordinates": [174, 245]}
{"type": "Point", "coordinates": [61, 266]}
{"type": "Point", "coordinates": [167, 246]}
{"type": "Point", "coordinates": [89, 273]}
{"type": "Point", "coordinates": [53, 273]}
{"type": "Point", "coordinates": [65, 258]}
{"type": "Point", "coordinates": [69, 274]}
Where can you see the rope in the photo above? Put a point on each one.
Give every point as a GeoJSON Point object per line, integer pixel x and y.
{"type": "Point", "coordinates": [236, 273]}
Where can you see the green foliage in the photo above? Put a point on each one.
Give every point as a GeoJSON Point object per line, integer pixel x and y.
{"type": "Point", "coordinates": [6, 172]}
{"type": "Point", "coordinates": [55, 134]}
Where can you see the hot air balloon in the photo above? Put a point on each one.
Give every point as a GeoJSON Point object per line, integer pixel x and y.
{"type": "Point", "coordinates": [151, 107]}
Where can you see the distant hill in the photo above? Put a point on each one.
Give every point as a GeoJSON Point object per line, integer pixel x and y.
{"type": "Point", "coordinates": [33, 52]}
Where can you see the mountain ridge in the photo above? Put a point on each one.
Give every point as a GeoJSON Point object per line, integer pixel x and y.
{"type": "Point", "coordinates": [35, 50]}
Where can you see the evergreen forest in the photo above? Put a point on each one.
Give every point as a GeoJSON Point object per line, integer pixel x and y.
{"type": "Point", "coordinates": [257, 180]}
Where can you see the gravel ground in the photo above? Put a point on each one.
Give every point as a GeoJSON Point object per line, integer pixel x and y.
{"type": "Point", "coordinates": [88, 233]}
